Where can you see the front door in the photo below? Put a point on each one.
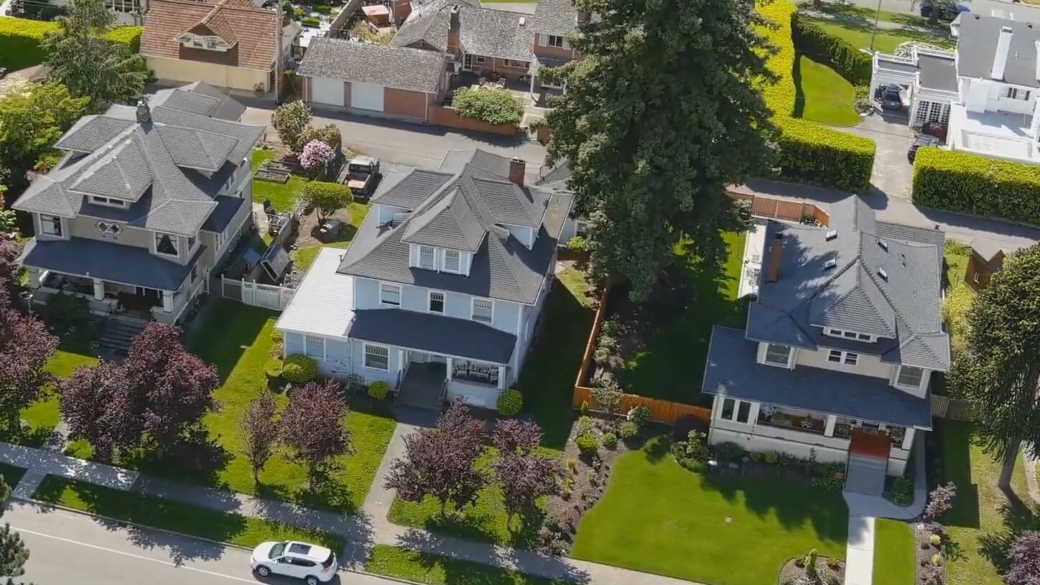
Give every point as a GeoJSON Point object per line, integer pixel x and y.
{"type": "Point", "coordinates": [152, 295]}
{"type": "Point", "coordinates": [467, 62]}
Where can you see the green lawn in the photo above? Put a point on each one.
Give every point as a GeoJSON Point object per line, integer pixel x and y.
{"type": "Point", "coordinates": [894, 553]}
{"type": "Point", "coordinates": [11, 474]}
{"type": "Point", "coordinates": [959, 296]}
{"type": "Point", "coordinates": [671, 363]}
{"type": "Point", "coordinates": [886, 40]}
{"type": "Point", "coordinates": [304, 257]}
{"type": "Point", "coordinates": [984, 519]}
{"type": "Point", "coordinates": [237, 338]}
{"type": "Point", "coordinates": [419, 567]}
{"type": "Point", "coordinates": [577, 283]}
{"type": "Point", "coordinates": [660, 518]}
{"type": "Point", "coordinates": [175, 516]}
{"type": "Point", "coordinates": [282, 196]}
{"type": "Point", "coordinates": [822, 95]}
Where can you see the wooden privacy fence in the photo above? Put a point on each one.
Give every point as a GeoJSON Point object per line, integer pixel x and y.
{"type": "Point", "coordinates": [951, 408]}
{"type": "Point", "coordinates": [775, 208]}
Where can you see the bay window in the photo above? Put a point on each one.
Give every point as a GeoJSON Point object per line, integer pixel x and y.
{"type": "Point", "coordinates": [778, 355]}
{"type": "Point", "coordinates": [910, 376]}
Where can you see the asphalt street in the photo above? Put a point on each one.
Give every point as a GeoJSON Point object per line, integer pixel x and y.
{"type": "Point", "coordinates": [66, 547]}
{"type": "Point", "coordinates": [985, 7]}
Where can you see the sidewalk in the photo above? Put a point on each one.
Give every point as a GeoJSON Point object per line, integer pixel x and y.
{"type": "Point", "coordinates": [52, 463]}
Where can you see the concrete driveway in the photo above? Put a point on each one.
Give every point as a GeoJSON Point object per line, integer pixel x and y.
{"type": "Point", "coordinates": [893, 174]}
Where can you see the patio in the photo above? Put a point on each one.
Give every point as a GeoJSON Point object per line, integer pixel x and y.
{"type": "Point", "coordinates": [521, 87]}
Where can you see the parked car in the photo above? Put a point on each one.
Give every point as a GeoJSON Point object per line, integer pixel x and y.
{"type": "Point", "coordinates": [919, 141]}
{"type": "Point", "coordinates": [362, 176]}
{"type": "Point", "coordinates": [890, 97]}
{"type": "Point", "coordinates": [330, 229]}
{"type": "Point", "coordinates": [314, 564]}
{"type": "Point", "coordinates": [947, 10]}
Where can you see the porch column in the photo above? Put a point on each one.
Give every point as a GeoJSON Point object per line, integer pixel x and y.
{"type": "Point", "coordinates": [753, 413]}
{"type": "Point", "coordinates": [908, 439]}
{"type": "Point", "coordinates": [448, 364]}
{"type": "Point", "coordinates": [99, 289]}
{"type": "Point", "coordinates": [167, 301]}
{"type": "Point", "coordinates": [532, 82]}
{"type": "Point", "coordinates": [829, 429]}
{"type": "Point", "coordinates": [501, 377]}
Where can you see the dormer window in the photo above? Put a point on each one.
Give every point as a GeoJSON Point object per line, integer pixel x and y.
{"type": "Point", "coordinates": [452, 261]}
{"type": "Point", "coordinates": [109, 201]}
{"type": "Point", "coordinates": [427, 257]}
{"type": "Point", "coordinates": [211, 43]}
{"type": "Point", "coordinates": [166, 244]}
{"type": "Point", "coordinates": [849, 334]}
{"type": "Point", "coordinates": [910, 377]}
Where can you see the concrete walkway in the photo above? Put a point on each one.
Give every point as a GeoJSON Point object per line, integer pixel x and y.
{"type": "Point", "coordinates": [52, 463]}
{"type": "Point", "coordinates": [859, 551]}
{"type": "Point", "coordinates": [879, 507]}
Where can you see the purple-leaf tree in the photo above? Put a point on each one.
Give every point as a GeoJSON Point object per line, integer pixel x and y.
{"type": "Point", "coordinates": [441, 462]}
{"type": "Point", "coordinates": [314, 427]}
{"type": "Point", "coordinates": [316, 156]}
{"type": "Point", "coordinates": [9, 251]}
{"type": "Point", "coordinates": [1024, 560]}
{"type": "Point", "coordinates": [25, 347]}
{"type": "Point", "coordinates": [523, 475]}
{"type": "Point", "coordinates": [260, 431]}
{"type": "Point", "coordinates": [940, 501]}
{"type": "Point", "coordinates": [94, 405]}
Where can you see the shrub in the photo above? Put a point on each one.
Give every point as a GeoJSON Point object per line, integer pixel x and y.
{"type": "Point", "coordinates": [21, 38]}
{"type": "Point", "coordinates": [299, 369]}
{"type": "Point", "coordinates": [584, 408]}
{"type": "Point", "coordinates": [311, 21]}
{"type": "Point", "coordinates": [902, 492]}
{"type": "Point", "coordinates": [976, 185]}
{"type": "Point", "coordinates": [354, 383]}
{"type": "Point", "coordinates": [273, 369]}
{"type": "Point", "coordinates": [935, 540]}
{"type": "Point", "coordinates": [602, 355]}
{"type": "Point", "coordinates": [771, 458]}
{"type": "Point", "coordinates": [940, 501]}
{"type": "Point", "coordinates": [937, 559]}
{"type": "Point", "coordinates": [730, 451]}
{"type": "Point", "coordinates": [587, 445]}
{"type": "Point", "coordinates": [322, 8]}
{"type": "Point", "coordinates": [510, 402]}
{"type": "Point", "coordinates": [316, 156]}
{"type": "Point", "coordinates": [629, 430]}
{"type": "Point", "coordinates": [329, 134]}
{"type": "Point", "coordinates": [577, 244]}
{"type": "Point", "coordinates": [610, 441]}
{"type": "Point", "coordinates": [379, 390]}
{"type": "Point", "coordinates": [695, 447]}
{"type": "Point", "coordinates": [492, 105]}
{"type": "Point", "coordinates": [808, 152]}
{"type": "Point", "coordinates": [639, 415]}
{"type": "Point", "coordinates": [326, 197]}
{"type": "Point", "coordinates": [68, 316]}
{"type": "Point", "coordinates": [584, 425]}
{"type": "Point", "coordinates": [837, 53]}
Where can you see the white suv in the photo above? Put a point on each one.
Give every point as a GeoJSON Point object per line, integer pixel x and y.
{"type": "Point", "coordinates": [314, 564]}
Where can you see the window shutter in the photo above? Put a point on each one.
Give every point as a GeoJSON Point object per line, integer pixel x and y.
{"type": "Point", "coordinates": [541, 40]}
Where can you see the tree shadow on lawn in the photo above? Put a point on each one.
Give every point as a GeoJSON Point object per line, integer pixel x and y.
{"type": "Point", "coordinates": [956, 441]}
{"type": "Point", "coordinates": [199, 463]}
{"type": "Point", "coordinates": [233, 328]}
{"type": "Point", "coordinates": [477, 525]}
{"type": "Point", "coordinates": [799, 93]}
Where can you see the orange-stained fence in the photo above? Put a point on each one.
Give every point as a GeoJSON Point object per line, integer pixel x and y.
{"type": "Point", "coordinates": [661, 410]}
{"type": "Point", "coordinates": [445, 116]}
{"type": "Point", "coordinates": [785, 209]}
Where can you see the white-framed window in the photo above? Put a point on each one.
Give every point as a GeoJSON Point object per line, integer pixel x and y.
{"type": "Point", "coordinates": [848, 334]}
{"type": "Point", "coordinates": [211, 42]}
{"type": "Point", "coordinates": [514, 63]}
{"type": "Point", "coordinates": [483, 310]}
{"type": "Point", "coordinates": [389, 294]}
{"type": "Point", "coordinates": [478, 59]}
{"type": "Point", "coordinates": [50, 225]}
{"type": "Point", "coordinates": [109, 201]}
{"type": "Point", "coordinates": [556, 41]}
{"type": "Point", "coordinates": [314, 347]}
{"type": "Point", "coordinates": [778, 355]}
{"type": "Point", "coordinates": [452, 261]}
{"type": "Point", "coordinates": [436, 302]}
{"type": "Point", "coordinates": [427, 257]}
{"type": "Point", "coordinates": [377, 357]}
{"type": "Point", "coordinates": [735, 410]}
{"type": "Point", "coordinates": [1013, 93]}
{"type": "Point", "coordinates": [910, 376]}
{"type": "Point", "coordinates": [165, 244]}
{"type": "Point", "coordinates": [848, 358]}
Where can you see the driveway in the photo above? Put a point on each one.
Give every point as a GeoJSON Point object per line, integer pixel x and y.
{"type": "Point", "coordinates": [985, 7]}
{"type": "Point", "coordinates": [892, 174]}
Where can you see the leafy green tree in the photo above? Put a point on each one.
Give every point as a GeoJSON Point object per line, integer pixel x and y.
{"type": "Point", "coordinates": [291, 120]}
{"type": "Point", "coordinates": [31, 122]}
{"type": "Point", "coordinates": [13, 552]}
{"type": "Point", "coordinates": [658, 118]}
{"type": "Point", "coordinates": [999, 372]}
{"type": "Point", "coordinates": [90, 65]}
{"type": "Point", "coordinates": [327, 198]}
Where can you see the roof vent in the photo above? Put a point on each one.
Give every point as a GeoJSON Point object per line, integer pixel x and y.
{"type": "Point", "coordinates": [833, 234]}
{"type": "Point", "coordinates": [883, 244]}
{"type": "Point", "coordinates": [884, 275]}
{"type": "Point", "coordinates": [523, 21]}
{"type": "Point", "coordinates": [830, 264]}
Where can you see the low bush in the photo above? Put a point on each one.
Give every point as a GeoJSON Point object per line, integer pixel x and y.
{"type": "Point", "coordinates": [976, 185]}
{"type": "Point", "coordinates": [695, 447]}
{"type": "Point", "coordinates": [311, 21]}
{"type": "Point", "coordinates": [68, 316]}
{"type": "Point", "coordinates": [584, 425]}
{"type": "Point", "coordinates": [510, 402]}
{"type": "Point", "coordinates": [587, 445]}
{"type": "Point", "coordinates": [21, 38]}
{"type": "Point", "coordinates": [629, 430]}
{"type": "Point", "coordinates": [322, 8]}
{"type": "Point", "coordinates": [299, 369]}
{"type": "Point", "coordinates": [837, 53]}
{"type": "Point", "coordinates": [379, 390]}
{"type": "Point", "coordinates": [639, 415]}
{"type": "Point", "coordinates": [492, 105]}
{"type": "Point", "coordinates": [273, 369]}
{"type": "Point", "coordinates": [729, 451]}
{"type": "Point", "coordinates": [610, 441]}
{"type": "Point", "coordinates": [329, 134]}
{"type": "Point", "coordinates": [354, 384]}
{"type": "Point", "coordinates": [902, 492]}
{"type": "Point", "coordinates": [577, 244]}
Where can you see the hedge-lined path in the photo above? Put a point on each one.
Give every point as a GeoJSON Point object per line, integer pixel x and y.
{"type": "Point", "coordinates": [892, 174]}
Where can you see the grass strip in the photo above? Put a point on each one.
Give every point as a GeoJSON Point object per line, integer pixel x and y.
{"type": "Point", "coordinates": [393, 561]}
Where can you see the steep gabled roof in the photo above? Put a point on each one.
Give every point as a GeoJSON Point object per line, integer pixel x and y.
{"type": "Point", "coordinates": [389, 66]}
{"type": "Point", "coordinates": [449, 223]}
{"type": "Point", "coordinates": [407, 187]}
{"type": "Point", "coordinates": [201, 99]}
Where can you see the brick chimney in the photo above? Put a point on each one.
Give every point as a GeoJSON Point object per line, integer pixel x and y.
{"type": "Point", "coordinates": [773, 271]}
{"type": "Point", "coordinates": [454, 44]}
{"type": "Point", "coordinates": [517, 169]}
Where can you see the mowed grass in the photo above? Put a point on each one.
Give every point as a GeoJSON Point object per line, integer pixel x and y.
{"type": "Point", "coordinates": [886, 41]}
{"type": "Point", "coordinates": [984, 519]}
{"type": "Point", "coordinates": [959, 296]}
{"type": "Point", "coordinates": [822, 95]}
{"type": "Point", "coordinates": [237, 338]}
{"type": "Point", "coordinates": [894, 553]}
{"type": "Point", "coordinates": [660, 518]}
{"type": "Point", "coordinates": [418, 567]}
{"type": "Point", "coordinates": [282, 196]}
{"type": "Point", "coordinates": [175, 516]}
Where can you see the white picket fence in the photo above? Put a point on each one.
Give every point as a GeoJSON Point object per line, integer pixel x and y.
{"type": "Point", "coordinates": [266, 296]}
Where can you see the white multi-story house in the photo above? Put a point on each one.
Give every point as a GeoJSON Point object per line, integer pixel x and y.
{"type": "Point", "coordinates": [441, 289]}
{"type": "Point", "coordinates": [986, 91]}
{"type": "Point", "coordinates": [840, 346]}
{"type": "Point", "coordinates": [144, 204]}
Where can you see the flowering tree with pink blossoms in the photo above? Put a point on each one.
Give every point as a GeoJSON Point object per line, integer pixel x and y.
{"type": "Point", "coordinates": [316, 157]}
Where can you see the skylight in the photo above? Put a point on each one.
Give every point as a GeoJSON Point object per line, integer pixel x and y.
{"type": "Point", "coordinates": [884, 275]}
{"type": "Point", "coordinates": [830, 264]}
{"type": "Point", "coordinates": [832, 234]}
{"type": "Point", "coordinates": [883, 244]}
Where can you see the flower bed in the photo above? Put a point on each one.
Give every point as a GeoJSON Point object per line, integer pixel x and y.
{"type": "Point", "coordinates": [828, 570]}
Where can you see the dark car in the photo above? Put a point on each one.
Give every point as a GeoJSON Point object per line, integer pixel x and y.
{"type": "Point", "coordinates": [890, 97]}
{"type": "Point", "coordinates": [362, 176]}
{"type": "Point", "coordinates": [947, 10]}
{"type": "Point", "coordinates": [919, 141]}
{"type": "Point", "coordinates": [330, 229]}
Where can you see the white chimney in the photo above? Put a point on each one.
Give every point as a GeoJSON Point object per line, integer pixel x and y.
{"type": "Point", "coordinates": [1001, 56]}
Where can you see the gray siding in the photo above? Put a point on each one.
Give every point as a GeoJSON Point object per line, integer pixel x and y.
{"type": "Point", "coordinates": [373, 375]}
{"type": "Point", "coordinates": [293, 343]}
{"type": "Point", "coordinates": [366, 294]}
{"type": "Point", "coordinates": [86, 227]}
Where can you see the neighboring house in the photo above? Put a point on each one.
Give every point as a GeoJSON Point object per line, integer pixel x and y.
{"type": "Point", "coordinates": [840, 346]}
{"type": "Point", "coordinates": [128, 12]}
{"type": "Point", "coordinates": [987, 258]}
{"type": "Point", "coordinates": [986, 92]}
{"type": "Point", "coordinates": [144, 204]}
{"type": "Point", "coordinates": [441, 289]}
{"type": "Point", "coordinates": [230, 43]}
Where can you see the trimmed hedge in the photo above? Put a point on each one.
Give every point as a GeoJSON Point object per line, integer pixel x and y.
{"type": "Point", "coordinates": [838, 54]}
{"type": "Point", "coordinates": [976, 185]}
{"type": "Point", "coordinates": [808, 152]}
{"type": "Point", "coordinates": [493, 105]}
{"type": "Point", "coordinates": [299, 369]}
{"type": "Point", "coordinates": [20, 39]}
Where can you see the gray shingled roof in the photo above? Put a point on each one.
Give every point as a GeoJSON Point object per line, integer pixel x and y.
{"type": "Point", "coordinates": [201, 99]}
{"type": "Point", "coordinates": [449, 223]}
{"type": "Point", "coordinates": [150, 165]}
{"type": "Point", "coordinates": [496, 33]}
{"type": "Point", "coordinates": [977, 45]}
{"type": "Point", "coordinates": [427, 332]}
{"type": "Point", "coordinates": [883, 286]}
{"type": "Point", "coordinates": [221, 217]}
{"type": "Point", "coordinates": [555, 177]}
{"type": "Point", "coordinates": [369, 63]}
{"type": "Point", "coordinates": [555, 17]}
{"type": "Point", "coordinates": [407, 187]}
{"type": "Point", "coordinates": [732, 371]}
{"type": "Point", "coordinates": [502, 267]}
{"type": "Point", "coordinates": [429, 24]}
{"type": "Point", "coordinates": [108, 261]}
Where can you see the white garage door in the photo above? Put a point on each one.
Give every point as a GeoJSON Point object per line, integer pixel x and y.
{"type": "Point", "coordinates": [366, 97]}
{"type": "Point", "coordinates": [327, 91]}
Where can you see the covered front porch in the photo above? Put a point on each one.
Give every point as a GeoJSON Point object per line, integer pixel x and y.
{"type": "Point", "coordinates": [427, 380]}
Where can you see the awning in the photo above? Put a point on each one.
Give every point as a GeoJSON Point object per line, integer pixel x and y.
{"type": "Point", "coordinates": [437, 334]}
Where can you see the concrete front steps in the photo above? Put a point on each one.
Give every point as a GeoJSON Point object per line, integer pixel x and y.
{"type": "Point", "coordinates": [119, 331]}
{"type": "Point", "coordinates": [866, 475]}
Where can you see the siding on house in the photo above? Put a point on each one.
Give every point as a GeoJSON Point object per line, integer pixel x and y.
{"type": "Point", "coordinates": [212, 73]}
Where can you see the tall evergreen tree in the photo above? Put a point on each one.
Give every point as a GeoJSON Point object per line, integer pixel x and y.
{"type": "Point", "coordinates": [657, 119]}
{"type": "Point", "coordinates": [13, 552]}
{"type": "Point", "coordinates": [1000, 372]}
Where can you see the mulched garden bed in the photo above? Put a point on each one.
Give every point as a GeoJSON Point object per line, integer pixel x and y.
{"type": "Point", "coordinates": [830, 571]}
{"type": "Point", "coordinates": [931, 560]}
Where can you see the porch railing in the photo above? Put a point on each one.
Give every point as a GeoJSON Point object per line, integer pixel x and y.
{"type": "Point", "coordinates": [795, 423]}
{"type": "Point", "coordinates": [444, 392]}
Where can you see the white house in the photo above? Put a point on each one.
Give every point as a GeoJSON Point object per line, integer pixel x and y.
{"type": "Point", "coordinates": [986, 90]}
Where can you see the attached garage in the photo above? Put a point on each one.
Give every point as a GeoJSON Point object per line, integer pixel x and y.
{"type": "Point", "coordinates": [366, 97]}
{"type": "Point", "coordinates": [327, 91]}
